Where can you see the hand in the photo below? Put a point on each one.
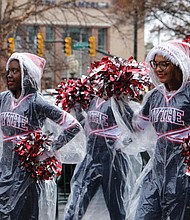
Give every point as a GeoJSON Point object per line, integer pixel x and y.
{"type": "Point", "coordinates": [77, 107]}
{"type": "Point", "coordinates": [46, 154]}
{"type": "Point", "coordinates": [124, 142]}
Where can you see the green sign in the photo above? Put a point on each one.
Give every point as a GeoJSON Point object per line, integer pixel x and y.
{"type": "Point", "coordinates": [80, 45]}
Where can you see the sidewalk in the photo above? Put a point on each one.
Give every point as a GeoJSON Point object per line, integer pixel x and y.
{"type": "Point", "coordinates": [62, 199]}
{"type": "Point", "coordinates": [99, 212]}
{"type": "Point", "coordinates": [60, 211]}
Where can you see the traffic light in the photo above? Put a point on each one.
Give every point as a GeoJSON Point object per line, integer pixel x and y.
{"type": "Point", "coordinates": [40, 44]}
{"type": "Point", "coordinates": [92, 46]}
{"type": "Point", "coordinates": [67, 46]}
{"type": "Point", "coordinates": [11, 45]}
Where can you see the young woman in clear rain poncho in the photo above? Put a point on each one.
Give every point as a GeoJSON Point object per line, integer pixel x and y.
{"type": "Point", "coordinates": [24, 111]}
{"type": "Point", "coordinates": [102, 183]}
{"type": "Point", "coordinates": [166, 187]}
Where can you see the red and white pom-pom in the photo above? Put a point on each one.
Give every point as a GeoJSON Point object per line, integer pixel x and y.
{"type": "Point", "coordinates": [187, 39]}
{"type": "Point", "coordinates": [73, 91]}
{"type": "Point", "coordinates": [106, 78]}
{"type": "Point", "coordinates": [46, 169]}
{"type": "Point", "coordinates": [186, 154]}
{"type": "Point", "coordinates": [116, 76]}
{"type": "Point", "coordinates": [30, 148]}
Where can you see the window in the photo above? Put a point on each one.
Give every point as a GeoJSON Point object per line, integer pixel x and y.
{"type": "Point", "coordinates": [49, 34]}
{"type": "Point", "coordinates": [32, 33]}
{"type": "Point", "coordinates": [48, 1]}
{"type": "Point", "coordinates": [21, 39]}
{"type": "Point", "coordinates": [102, 38]}
{"type": "Point", "coordinates": [77, 34]}
{"type": "Point", "coordinates": [81, 35]}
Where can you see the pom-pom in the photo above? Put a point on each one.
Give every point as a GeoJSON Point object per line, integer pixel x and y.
{"type": "Point", "coordinates": [186, 154]}
{"type": "Point", "coordinates": [106, 78]}
{"type": "Point", "coordinates": [30, 148]}
{"type": "Point", "coordinates": [116, 76]}
{"type": "Point", "coordinates": [187, 39]}
{"type": "Point", "coordinates": [73, 91]}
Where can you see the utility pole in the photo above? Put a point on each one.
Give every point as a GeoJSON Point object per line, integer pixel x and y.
{"type": "Point", "coordinates": [1, 41]}
{"type": "Point", "coordinates": [0, 23]}
{"type": "Point", "coordinates": [0, 15]}
{"type": "Point", "coordinates": [135, 34]}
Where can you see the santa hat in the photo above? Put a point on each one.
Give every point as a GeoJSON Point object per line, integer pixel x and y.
{"type": "Point", "coordinates": [177, 52]}
{"type": "Point", "coordinates": [33, 63]}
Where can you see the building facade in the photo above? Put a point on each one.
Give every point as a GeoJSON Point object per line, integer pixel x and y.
{"type": "Point", "coordinates": [78, 20]}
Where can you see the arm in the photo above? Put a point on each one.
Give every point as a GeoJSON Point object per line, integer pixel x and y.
{"type": "Point", "coordinates": [133, 140]}
{"type": "Point", "coordinates": [79, 113]}
{"type": "Point", "coordinates": [126, 113]}
{"type": "Point", "coordinates": [68, 125]}
{"type": "Point", "coordinates": [70, 129]}
{"type": "Point", "coordinates": [141, 118]}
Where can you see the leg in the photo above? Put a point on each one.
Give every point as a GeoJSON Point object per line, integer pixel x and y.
{"type": "Point", "coordinates": [187, 210]}
{"type": "Point", "coordinates": [27, 206]}
{"type": "Point", "coordinates": [179, 208]}
{"type": "Point", "coordinates": [187, 213]}
{"type": "Point", "coordinates": [85, 183]}
{"type": "Point", "coordinates": [149, 203]}
{"type": "Point", "coordinates": [114, 186]}
{"type": "Point", "coordinates": [4, 216]}
{"type": "Point", "coordinates": [179, 212]}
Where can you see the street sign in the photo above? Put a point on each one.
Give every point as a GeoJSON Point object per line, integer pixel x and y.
{"type": "Point", "coordinates": [80, 45]}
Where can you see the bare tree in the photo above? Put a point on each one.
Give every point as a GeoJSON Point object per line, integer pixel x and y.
{"type": "Point", "coordinates": [16, 14]}
{"type": "Point", "coordinates": [172, 17]}
{"type": "Point", "coordinates": [13, 14]}
{"type": "Point", "coordinates": [132, 12]}
{"type": "Point", "coordinates": [175, 18]}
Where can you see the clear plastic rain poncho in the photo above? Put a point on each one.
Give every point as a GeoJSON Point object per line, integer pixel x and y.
{"type": "Point", "coordinates": [19, 192]}
{"type": "Point", "coordinates": [165, 189]}
{"type": "Point", "coordinates": [102, 186]}
{"type": "Point", "coordinates": [102, 183]}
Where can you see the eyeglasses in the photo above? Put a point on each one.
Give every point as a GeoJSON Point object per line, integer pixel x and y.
{"type": "Point", "coordinates": [162, 64]}
{"type": "Point", "coordinates": [13, 70]}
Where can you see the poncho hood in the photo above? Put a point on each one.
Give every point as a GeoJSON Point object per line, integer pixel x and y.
{"type": "Point", "coordinates": [177, 52]}
{"type": "Point", "coordinates": [32, 67]}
